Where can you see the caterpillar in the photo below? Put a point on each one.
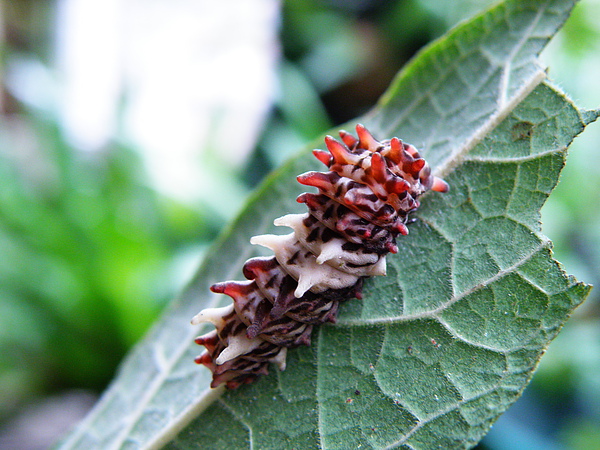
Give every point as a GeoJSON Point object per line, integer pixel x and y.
{"type": "Point", "coordinates": [362, 206]}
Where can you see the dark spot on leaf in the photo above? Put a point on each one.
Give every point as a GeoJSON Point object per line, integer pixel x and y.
{"type": "Point", "coordinates": [522, 131]}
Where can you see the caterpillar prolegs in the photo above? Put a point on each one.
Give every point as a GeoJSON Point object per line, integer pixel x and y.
{"type": "Point", "coordinates": [363, 204]}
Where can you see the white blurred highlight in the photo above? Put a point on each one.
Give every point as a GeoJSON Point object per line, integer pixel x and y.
{"type": "Point", "coordinates": [190, 78]}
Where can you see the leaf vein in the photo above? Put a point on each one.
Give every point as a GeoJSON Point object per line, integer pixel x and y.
{"type": "Point", "coordinates": [422, 422]}
{"type": "Point", "coordinates": [434, 313]}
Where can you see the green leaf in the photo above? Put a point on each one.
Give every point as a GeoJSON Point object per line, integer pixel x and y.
{"type": "Point", "coordinates": [439, 348]}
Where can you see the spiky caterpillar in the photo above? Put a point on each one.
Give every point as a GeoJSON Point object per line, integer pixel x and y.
{"type": "Point", "coordinates": [363, 204]}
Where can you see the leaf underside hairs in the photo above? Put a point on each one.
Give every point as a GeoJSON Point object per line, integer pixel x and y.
{"type": "Point", "coordinates": [362, 206]}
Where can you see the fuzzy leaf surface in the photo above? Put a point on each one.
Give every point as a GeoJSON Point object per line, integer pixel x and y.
{"type": "Point", "coordinates": [441, 346]}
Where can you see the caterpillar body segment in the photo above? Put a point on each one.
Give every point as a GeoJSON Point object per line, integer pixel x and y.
{"type": "Point", "coordinates": [352, 223]}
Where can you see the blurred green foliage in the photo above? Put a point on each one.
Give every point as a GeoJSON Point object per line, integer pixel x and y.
{"type": "Point", "coordinates": [90, 253]}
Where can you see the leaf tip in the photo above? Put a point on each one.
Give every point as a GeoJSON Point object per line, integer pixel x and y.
{"type": "Point", "coordinates": [590, 115]}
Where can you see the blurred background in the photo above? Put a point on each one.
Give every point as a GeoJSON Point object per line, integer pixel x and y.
{"type": "Point", "coordinates": [131, 131]}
